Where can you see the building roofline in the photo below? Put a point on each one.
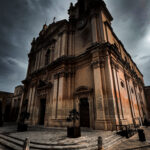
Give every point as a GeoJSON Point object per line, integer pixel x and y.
{"type": "Point", "coordinates": [146, 87]}
{"type": "Point", "coordinates": [123, 47]}
{"type": "Point", "coordinates": [4, 92]}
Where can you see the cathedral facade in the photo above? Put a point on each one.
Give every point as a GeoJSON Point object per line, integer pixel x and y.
{"type": "Point", "coordinates": [81, 64]}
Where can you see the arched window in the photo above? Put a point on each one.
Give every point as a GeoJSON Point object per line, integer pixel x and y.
{"type": "Point", "coordinates": [47, 57]}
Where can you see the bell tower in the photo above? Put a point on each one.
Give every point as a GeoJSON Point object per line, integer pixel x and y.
{"type": "Point", "coordinates": [93, 12]}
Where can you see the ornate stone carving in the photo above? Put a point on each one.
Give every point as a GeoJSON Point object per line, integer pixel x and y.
{"type": "Point", "coordinates": [83, 90]}
{"type": "Point", "coordinates": [44, 85]}
{"type": "Point", "coordinates": [135, 84]}
{"type": "Point", "coordinates": [127, 77]}
{"type": "Point", "coordinates": [98, 63]}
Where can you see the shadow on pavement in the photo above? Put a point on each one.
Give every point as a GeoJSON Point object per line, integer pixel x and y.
{"type": "Point", "coordinates": [140, 147]}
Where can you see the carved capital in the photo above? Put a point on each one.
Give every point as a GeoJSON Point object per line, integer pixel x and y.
{"type": "Point", "coordinates": [94, 14]}
{"type": "Point", "coordinates": [98, 64]}
{"type": "Point", "coordinates": [34, 83]}
{"type": "Point", "coordinates": [135, 84]}
{"type": "Point", "coordinates": [127, 77]}
{"type": "Point", "coordinates": [140, 88]}
{"type": "Point", "coordinates": [62, 74]}
{"type": "Point", "coordinates": [115, 65]}
{"type": "Point", "coordinates": [95, 64]}
{"type": "Point", "coordinates": [56, 76]}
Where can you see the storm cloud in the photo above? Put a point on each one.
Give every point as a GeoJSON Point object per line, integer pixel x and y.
{"type": "Point", "coordinates": [20, 21]}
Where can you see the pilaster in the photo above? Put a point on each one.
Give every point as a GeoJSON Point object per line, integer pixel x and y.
{"type": "Point", "coordinates": [64, 44]}
{"type": "Point", "coordinates": [97, 64]}
{"type": "Point", "coordinates": [94, 28]}
{"type": "Point", "coordinates": [61, 93]}
{"type": "Point", "coordinates": [55, 96]}
{"type": "Point", "coordinates": [127, 78]}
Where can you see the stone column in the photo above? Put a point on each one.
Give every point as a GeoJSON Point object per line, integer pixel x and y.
{"type": "Point", "coordinates": [137, 100]}
{"type": "Point", "coordinates": [115, 91]}
{"type": "Point", "coordinates": [59, 46]}
{"type": "Point", "coordinates": [69, 103]}
{"type": "Point", "coordinates": [128, 91]}
{"type": "Point", "coordinates": [101, 28]}
{"type": "Point", "coordinates": [99, 99]}
{"type": "Point", "coordinates": [99, 24]}
{"type": "Point", "coordinates": [32, 101]}
{"type": "Point", "coordinates": [35, 66]}
{"type": "Point", "coordinates": [132, 99]}
{"type": "Point", "coordinates": [56, 52]}
{"type": "Point", "coordinates": [143, 101]}
{"type": "Point", "coordinates": [29, 99]}
{"type": "Point", "coordinates": [70, 44]}
{"type": "Point", "coordinates": [94, 28]}
{"type": "Point", "coordinates": [61, 92]}
{"type": "Point", "coordinates": [55, 96]}
{"type": "Point", "coordinates": [39, 56]}
{"type": "Point", "coordinates": [38, 59]}
{"type": "Point", "coordinates": [64, 44]}
{"type": "Point", "coordinates": [113, 108]}
{"type": "Point", "coordinates": [118, 89]}
{"type": "Point", "coordinates": [42, 58]}
{"type": "Point", "coordinates": [104, 84]}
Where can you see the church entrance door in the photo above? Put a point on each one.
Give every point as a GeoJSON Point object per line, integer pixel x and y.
{"type": "Point", "coordinates": [84, 113]}
{"type": "Point", "coordinates": [42, 111]}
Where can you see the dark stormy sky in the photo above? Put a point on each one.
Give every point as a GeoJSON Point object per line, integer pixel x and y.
{"type": "Point", "coordinates": [21, 20]}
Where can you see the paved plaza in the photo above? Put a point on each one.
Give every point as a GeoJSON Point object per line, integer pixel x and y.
{"type": "Point", "coordinates": [57, 136]}
{"type": "Point", "coordinates": [49, 136]}
{"type": "Point", "coordinates": [134, 143]}
{"type": "Point", "coordinates": [3, 148]}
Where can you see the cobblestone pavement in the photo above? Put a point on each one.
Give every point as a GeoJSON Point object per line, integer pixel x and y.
{"type": "Point", "coordinates": [58, 135]}
{"type": "Point", "coordinates": [54, 136]}
{"type": "Point", "coordinates": [3, 148]}
{"type": "Point", "coordinates": [134, 143]}
{"type": "Point", "coordinates": [7, 128]}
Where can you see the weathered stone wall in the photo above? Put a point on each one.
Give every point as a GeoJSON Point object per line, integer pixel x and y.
{"type": "Point", "coordinates": [147, 96]}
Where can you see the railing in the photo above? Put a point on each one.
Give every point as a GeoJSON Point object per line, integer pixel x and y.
{"type": "Point", "coordinates": [126, 130]}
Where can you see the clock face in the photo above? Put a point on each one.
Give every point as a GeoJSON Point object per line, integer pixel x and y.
{"type": "Point", "coordinates": [81, 24]}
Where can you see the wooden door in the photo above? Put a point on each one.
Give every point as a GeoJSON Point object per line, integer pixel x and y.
{"type": "Point", "coordinates": [42, 111]}
{"type": "Point", "coordinates": [84, 113]}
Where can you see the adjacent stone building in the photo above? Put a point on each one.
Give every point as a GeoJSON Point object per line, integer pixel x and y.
{"type": "Point", "coordinates": [82, 64]}
{"type": "Point", "coordinates": [16, 102]}
{"type": "Point", "coordinates": [147, 96]}
{"type": "Point", "coordinates": [5, 106]}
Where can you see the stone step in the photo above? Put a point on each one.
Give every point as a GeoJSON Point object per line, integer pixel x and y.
{"type": "Point", "coordinates": [113, 141]}
{"type": "Point", "coordinates": [107, 142]}
{"type": "Point", "coordinates": [17, 144]}
{"type": "Point", "coordinates": [90, 144]}
{"type": "Point", "coordinates": [9, 144]}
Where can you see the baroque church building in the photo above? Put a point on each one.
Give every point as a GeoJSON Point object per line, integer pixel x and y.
{"type": "Point", "coordinates": [81, 64]}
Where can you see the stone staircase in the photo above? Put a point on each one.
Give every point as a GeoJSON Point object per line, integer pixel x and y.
{"type": "Point", "coordinates": [84, 144]}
